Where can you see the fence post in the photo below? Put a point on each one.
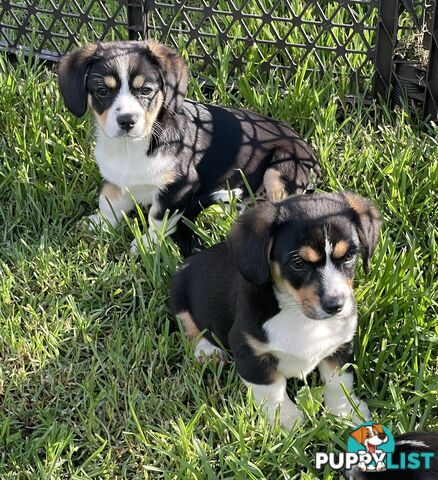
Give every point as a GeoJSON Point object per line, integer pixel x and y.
{"type": "Point", "coordinates": [386, 38]}
{"type": "Point", "coordinates": [136, 23]}
{"type": "Point", "coordinates": [431, 93]}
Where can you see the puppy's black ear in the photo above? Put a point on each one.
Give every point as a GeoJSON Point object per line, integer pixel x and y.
{"type": "Point", "coordinates": [71, 78]}
{"type": "Point", "coordinates": [367, 221]}
{"type": "Point", "coordinates": [250, 242]}
{"type": "Point", "coordinates": [174, 71]}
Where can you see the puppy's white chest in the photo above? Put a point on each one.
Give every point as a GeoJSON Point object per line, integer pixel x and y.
{"type": "Point", "coordinates": [300, 343]}
{"type": "Point", "coordinates": [125, 163]}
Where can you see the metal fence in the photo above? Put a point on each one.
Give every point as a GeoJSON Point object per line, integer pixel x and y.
{"type": "Point", "coordinates": [354, 38]}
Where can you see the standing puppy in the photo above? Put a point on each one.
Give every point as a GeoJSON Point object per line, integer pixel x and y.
{"type": "Point", "coordinates": [279, 293]}
{"type": "Point", "coordinates": [156, 147]}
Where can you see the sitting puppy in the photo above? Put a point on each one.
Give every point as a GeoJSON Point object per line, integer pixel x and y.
{"type": "Point", "coordinates": [279, 293]}
{"type": "Point", "coordinates": [156, 147]}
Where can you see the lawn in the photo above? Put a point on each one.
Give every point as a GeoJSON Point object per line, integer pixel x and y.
{"type": "Point", "coordinates": [95, 380]}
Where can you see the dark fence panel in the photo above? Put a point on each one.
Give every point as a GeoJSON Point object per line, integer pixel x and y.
{"type": "Point", "coordinates": [49, 28]}
{"type": "Point", "coordinates": [386, 42]}
{"type": "Point", "coordinates": [277, 35]}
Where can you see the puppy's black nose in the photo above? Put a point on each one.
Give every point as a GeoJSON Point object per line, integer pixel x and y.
{"type": "Point", "coordinates": [332, 304]}
{"type": "Point", "coordinates": [126, 121]}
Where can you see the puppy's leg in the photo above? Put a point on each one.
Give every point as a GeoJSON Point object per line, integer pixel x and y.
{"type": "Point", "coordinates": [203, 349]}
{"type": "Point", "coordinates": [268, 386]}
{"type": "Point", "coordinates": [113, 202]}
{"type": "Point", "coordinates": [275, 185]}
{"type": "Point", "coordinates": [156, 221]}
{"type": "Point", "coordinates": [273, 396]}
{"type": "Point", "coordinates": [155, 229]}
{"type": "Point", "coordinates": [335, 399]}
{"type": "Point", "coordinates": [290, 171]}
{"type": "Point", "coordinates": [172, 201]}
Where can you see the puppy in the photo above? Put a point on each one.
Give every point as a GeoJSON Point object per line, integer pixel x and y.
{"type": "Point", "coordinates": [279, 293]}
{"type": "Point", "coordinates": [417, 442]}
{"type": "Point", "coordinates": [371, 437]}
{"type": "Point", "coordinates": [156, 147]}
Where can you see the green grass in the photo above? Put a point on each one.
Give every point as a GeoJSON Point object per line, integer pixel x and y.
{"type": "Point", "coordinates": [94, 382]}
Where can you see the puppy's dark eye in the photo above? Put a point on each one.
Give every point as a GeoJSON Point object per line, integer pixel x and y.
{"type": "Point", "coordinates": [146, 91]}
{"type": "Point", "coordinates": [349, 257]}
{"type": "Point", "coordinates": [102, 91]}
{"type": "Point", "coordinates": [297, 263]}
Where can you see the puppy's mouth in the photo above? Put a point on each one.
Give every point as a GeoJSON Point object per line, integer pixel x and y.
{"type": "Point", "coordinates": [130, 135]}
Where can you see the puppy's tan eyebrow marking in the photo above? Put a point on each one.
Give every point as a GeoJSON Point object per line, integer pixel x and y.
{"type": "Point", "coordinates": [110, 81]}
{"type": "Point", "coordinates": [309, 254]}
{"type": "Point", "coordinates": [341, 248]}
{"type": "Point", "coordinates": [138, 81]}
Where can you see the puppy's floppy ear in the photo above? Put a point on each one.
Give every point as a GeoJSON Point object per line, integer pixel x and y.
{"type": "Point", "coordinates": [359, 434]}
{"type": "Point", "coordinates": [174, 71]}
{"type": "Point", "coordinates": [367, 221]}
{"type": "Point", "coordinates": [250, 240]}
{"type": "Point", "coordinates": [71, 78]}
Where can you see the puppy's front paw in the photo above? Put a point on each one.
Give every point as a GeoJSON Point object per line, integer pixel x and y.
{"type": "Point", "coordinates": [94, 222]}
{"type": "Point", "coordinates": [290, 415]}
{"type": "Point", "coordinates": [342, 408]}
{"type": "Point", "coordinates": [148, 241]}
{"type": "Point", "coordinates": [136, 246]}
{"type": "Point", "coordinates": [363, 409]}
{"type": "Point", "coordinates": [205, 350]}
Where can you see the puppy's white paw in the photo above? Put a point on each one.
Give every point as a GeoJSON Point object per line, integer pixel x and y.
{"type": "Point", "coordinates": [290, 415]}
{"type": "Point", "coordinates": [342, 408]}
{"type": "Point", "coordinates": [153, 232]}
{"type": "Point", "coordinates": [148, 241]}
{"type": "Point", "coordinates": [135, 246]}
{"type": "Point", "coordinates": [205, 350]}
{"type": "Point", "coordinates": [363, 409]}
{"type": "Point", "coordinates": [94, 222]}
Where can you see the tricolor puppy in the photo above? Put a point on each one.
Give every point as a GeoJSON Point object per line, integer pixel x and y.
{"type": "Point", "coordinates": [168, 152]}
{"type": "Point", "coordinates": [371, 437]}
{"type": "Point", "coordinates": [279, 293]}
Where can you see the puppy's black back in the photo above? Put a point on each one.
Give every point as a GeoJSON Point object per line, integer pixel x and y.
{"type": "Point", "coordinates": [230, 139]}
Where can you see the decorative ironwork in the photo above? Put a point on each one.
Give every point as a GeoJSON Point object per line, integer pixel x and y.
{"type": "Point", "coordinates": [49, 28]}
{"type": "Point", "coordinates": [276, 35]}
